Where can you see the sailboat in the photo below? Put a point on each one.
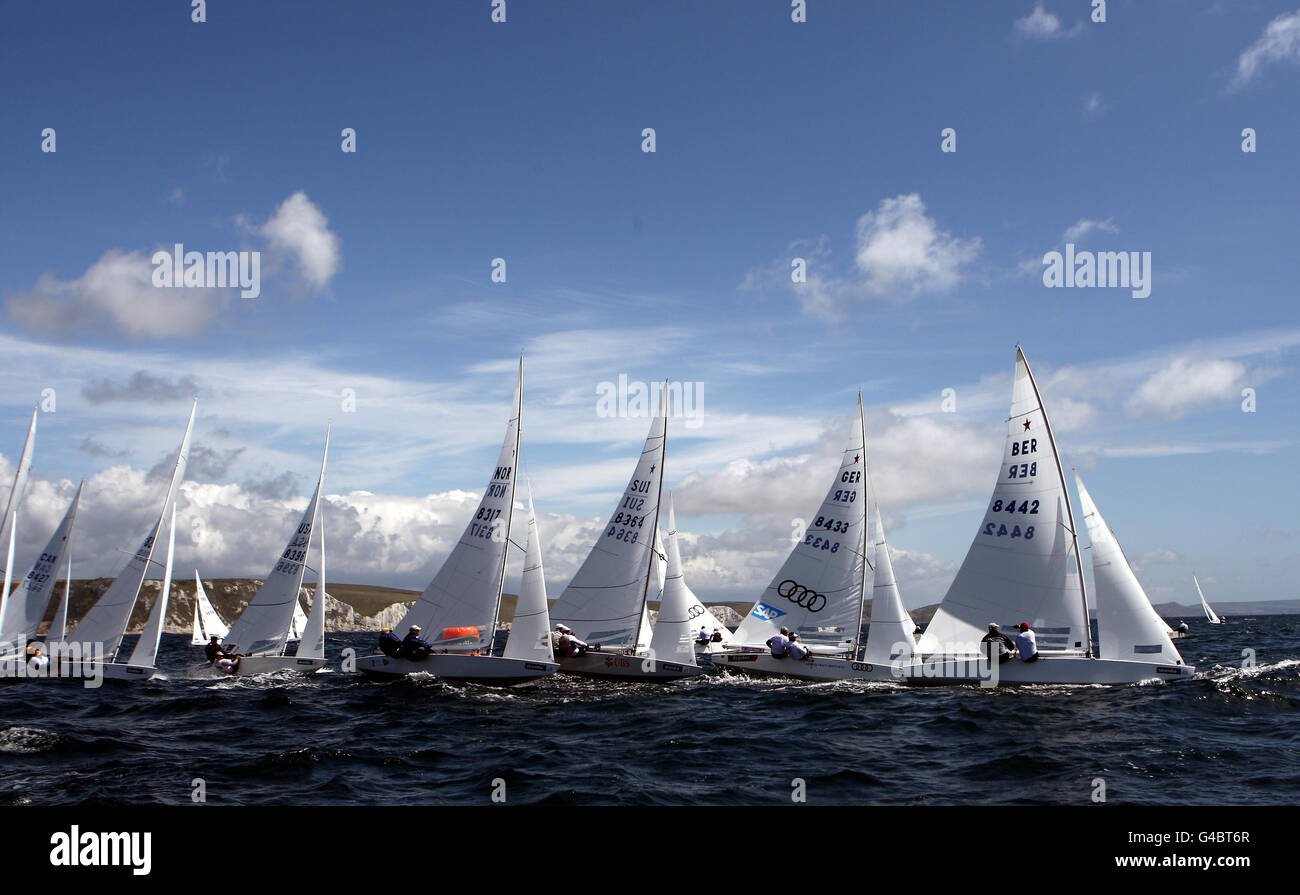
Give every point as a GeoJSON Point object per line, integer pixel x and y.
{"type": "Point", "coordinates": [1205, 604]}
{"type": "Point", "coordinates": [25, 607]}
{"type": "Point", "coordinates": [461, 606]}
{"type": "Point", "coordinates": [667, 560]}
{"type": "Point", "coordinates": [9, 522]}
{"type": "Point", "coordinates": [605, 604]}
{"type": "Point", "coordinates": [207, 623]}
{"type": "Point", "coordinates": [1024, 565]}
{"type": "Point", "coordinates": [673, 638]}
{"type": "Point", "coordinates": [817, 593]}
{"type": "Point", "coordinates": [106, 622]}
{"type": "Point", "coordinates": [260, 634]}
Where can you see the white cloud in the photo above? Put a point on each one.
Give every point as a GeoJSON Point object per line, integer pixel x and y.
{"type": "Point", "coordinates": [117, 289]}
{"type": "Point", "coordinates": [1043, 25]}
{"type": "Point", "coordinates": [901, 251]}
{"type": "Point", "coordinates": [1092, 103]}
{"type": "Point", "coordinates": [1184, 385]}
{"type": "Point", "coordinates": [299, 229]}
{"type": "Point", "coordinates": [1083, 226]}
{"type": "Point", "coordinates": [1279, 42]}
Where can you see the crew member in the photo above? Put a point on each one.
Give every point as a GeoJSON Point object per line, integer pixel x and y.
{"type": "Point", "coordinates": [415, 647]}
{"type": "Point", "coordinates": [702, 637]}
{"type": "Point", "coordinates": [389, 643]}
{"type": "Point", "coordinates": [1006, 646]}
{"type": "Point", "coordinates": [795, 649]}
{"type": "Point", "coordinates": [1027, 643]}
{"type": "Point", "coordinates": [779, 644]}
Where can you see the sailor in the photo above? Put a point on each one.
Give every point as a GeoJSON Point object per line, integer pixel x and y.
{"type": "Point", "coordinates": [389, 643]}
{"type": "Point", "coordinates": [779, 643]}
{"type": "Point", "coordinates": [35, 661]}
{"type": "Point", "coordinates": [568, 645]}
{"type": "Point", "coordinates": [1182, 627]}
{"type": "Point", "coordinates": [717, 636]}
{"type": "Point", "coordinates": [703, 636]}
{"type": "Point", "coordinates": [1006, 646]}
{"type": "Point", "coordinates": [796, 649]}
{"type": "Point", "coordinates": [1027, 643]}
{"type": "Point", "coordinates": [415, 647]}
{"type": "Point", "coordinates": [212, 649]}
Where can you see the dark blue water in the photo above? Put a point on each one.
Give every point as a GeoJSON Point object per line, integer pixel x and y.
{"type": "Point", "coordinates": [1228, 737]}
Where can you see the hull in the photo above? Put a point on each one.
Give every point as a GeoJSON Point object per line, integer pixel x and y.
{"type": "Point", "coordinates": [460, 667]}
{"type": "Point", "coordinates": [813, 668]}
{"type": "Point", "coordinates": [617, 666]}
{"type": "Point", "coordinates": [1047, 670]}
{"type": "Point", "coordinates": [264, 665]}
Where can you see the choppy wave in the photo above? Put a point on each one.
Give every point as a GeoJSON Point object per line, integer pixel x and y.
{"type": "Point", "coordinates": [1224, 737]}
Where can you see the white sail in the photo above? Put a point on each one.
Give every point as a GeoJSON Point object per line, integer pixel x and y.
{"type": "Point", "coordinates": [1024, 563]}
{"type": "Point", "coordinates": [818, 591]}
{"type": "Point", "coordinates": [9, 523]}
{"type": "Point", "coordinates": [466, 591]}
{"type": "Point", "coordinates": [299, 622]}
{"type": "Point", "coordinates": [890, 635]}
{"type": "Point", "coordinates": [107, 620]}
{"type": "Point", "coordinates": [311, 639]}
{"type": "Point", "coordinates": [59, 625]}
{"type": "Point", "coordinates": [530, 632]}
{"type": "Point", "coordinates": [696, 611]}
{"type": "Point", "coordinates": [674, 637]}
{"type": "Point", "coordinates": [1127, 624]}
{"type": "Point", "coordinates": [207, 623]}
{"type": "Point", "coordinates": [1205, 604]}
{"type": "Point", "coordinates": [605, 602]}
{"type": "Point", "coordinates": [263, 627]}
{"type": "Point", "coordinates": [146, 648]}
{"type": "Point", "coordinates": [26, 606]}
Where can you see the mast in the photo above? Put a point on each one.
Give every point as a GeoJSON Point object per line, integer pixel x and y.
{"type": "Point", "coordinates": [866, 520]}
{"type": "Point", "coordinates": [518, 410]}
{"type": "Point", "coordinates": [654, 530]}
{"type": "Point", "coordinates": [1069, 510]}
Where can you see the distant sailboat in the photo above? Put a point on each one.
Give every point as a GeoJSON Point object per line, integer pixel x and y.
{"type": "Point", "coordinates": [1024, 565]}
{"type": "Point", "coordinates": [207, 623]}
{"type": "Point", "coordinates": [673, 638]}
{"type": "Point", "coordinates": [261, 633]}
{"type": "Point", "coordinates": [460, 608]}
{"type": "Point", "coordinates": [106, 621]}
{"type": "Point", "coordinates": [1209, 613]}
{"type": "Point", "coordinates": [299, 623]}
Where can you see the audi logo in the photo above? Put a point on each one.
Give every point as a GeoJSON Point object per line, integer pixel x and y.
{"type": "Point", "coordinates": [801, 596]}
{"type": "Point", "coordinates": [694, 612]}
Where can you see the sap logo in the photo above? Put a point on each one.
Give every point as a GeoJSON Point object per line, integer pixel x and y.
{"type": "Point", "coordinates": [77, 849]}
{"type": "Point", "coordinates": [766, 613]}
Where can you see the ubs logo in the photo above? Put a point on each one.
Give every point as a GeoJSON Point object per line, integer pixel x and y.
{"type": "Point", "coordinates": [801, 596]}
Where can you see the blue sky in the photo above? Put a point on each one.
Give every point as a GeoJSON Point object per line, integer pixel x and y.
{"type": "Point", "coordinates": [774, 140]}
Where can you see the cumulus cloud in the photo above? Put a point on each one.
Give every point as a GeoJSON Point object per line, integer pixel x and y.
{"type": "Point", "coordinates": [116, 290]}
{"type": "Point", "coordinates": [1043, 25]}
{"type": "Point", "coordinates": [299, 230]}
{"type": "Point", "coordinates": [1280, 42]}
{"type": "Point", "coordinates": [1184, 385]}
{"type": "Point", "coordinates": [901, 251]}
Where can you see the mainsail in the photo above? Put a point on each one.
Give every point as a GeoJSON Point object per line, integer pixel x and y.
{"type": "Point", "coordinates": [26, 606]}
{"type": "Point", "coordinates": [890, 636]}
{"type": "Point", "coordinates": [530, 632]}
{"type": "Point", "coordinates": [1127, 625]}
{"type": "Point", "coordinates": [207, 622]}
{"type": "Point", "coordinates": [1024, 562]}
{"type": "Point", "coordinates": [605, 602]}
{"type": "Point", "coordinates": [311, 632]}
{"type": "Point", "coordinates": [263, 627]}
{"type": "Point", "coordinates": [466, 591]}
{"type": "Point", "coordinates": [674, 637]}
{"type": "Point", "coordinates": [107, 620]}
{"type": "Point", "coordinates": [1205, 604]}
{"type": "Point", "coordinates": [818, 591]}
